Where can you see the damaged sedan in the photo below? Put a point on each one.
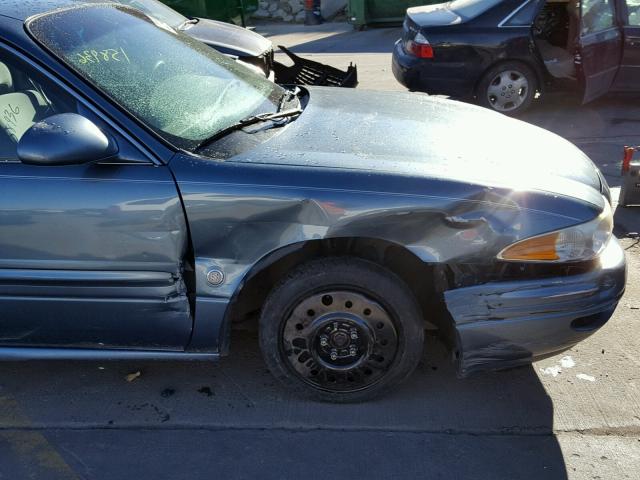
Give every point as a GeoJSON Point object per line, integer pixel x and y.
{"type": "Point", "coordinates": [154, 192]}
{"type": "Point", "coordinates": [248, 48]}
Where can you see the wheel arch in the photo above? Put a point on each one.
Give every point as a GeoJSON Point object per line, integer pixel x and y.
{"type": "Point", "coordinates": [426, 281]}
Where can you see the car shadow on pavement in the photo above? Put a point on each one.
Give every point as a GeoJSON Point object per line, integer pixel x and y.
{"type": "Point", "coordinates": [332, 38]}
{"type": "Point", "coordinates": [601, 128]}
{"type": "Point", "coordinates": [495, 425]}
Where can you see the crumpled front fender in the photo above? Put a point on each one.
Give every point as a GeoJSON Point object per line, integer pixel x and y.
{"type": "Point", "coordinates": [506, 324]}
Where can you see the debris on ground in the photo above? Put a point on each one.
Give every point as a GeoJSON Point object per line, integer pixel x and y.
{"type": "Point", "coordinates": [167, 392]}
{"type": "Point", "coordinates": [584, 376]}
{"type": "Point", "coordinates": [133, 376]}
{"type": "Point", "coordinates": [555, 370]}
{"type": "Point", "coordinates": [206, 391]}
{"type": "Point", "coordinates": [567, 362]}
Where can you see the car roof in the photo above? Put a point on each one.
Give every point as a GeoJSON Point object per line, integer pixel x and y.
{"type": "Point", "coordinates": [23, 9]}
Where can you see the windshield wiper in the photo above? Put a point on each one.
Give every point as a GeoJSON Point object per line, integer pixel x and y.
{"type": "Point", "coordinates": [288, 96]}
{"type": "Point", "coordinates": [278, 118]}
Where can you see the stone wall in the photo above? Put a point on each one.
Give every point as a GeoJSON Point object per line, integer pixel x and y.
{"type": "Point", "coordinates": [293, 10]}
{"type": "Point", "coordinates": [283, 10]}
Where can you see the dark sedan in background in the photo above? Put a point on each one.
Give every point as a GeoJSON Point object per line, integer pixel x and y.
{"type": "Point", "coordinates": [249, 48]}
{"type": "Point", "coordinates": [153, 192]}
{"type": "Point", "coordinates": [246, 46]}
{"type": "Point", "coordinates": [502, 53]}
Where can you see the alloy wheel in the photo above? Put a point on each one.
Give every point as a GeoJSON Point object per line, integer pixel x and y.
{"type": "Point", "coordinates": [508, 90]}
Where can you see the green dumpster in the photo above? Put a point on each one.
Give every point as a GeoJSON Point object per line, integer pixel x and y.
{"type": "Point", "coordinates": [232, 11]}
{"type": "Point", "coordinates": [382, 12]}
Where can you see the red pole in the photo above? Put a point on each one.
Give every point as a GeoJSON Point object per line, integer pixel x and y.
{"type": "Point", "coordinates": [626, 161]}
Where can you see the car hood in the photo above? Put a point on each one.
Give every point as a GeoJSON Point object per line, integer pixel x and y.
{"type": "Point", "coordinates": [417, 135]}
{"type": "Point", "coordinates": [229, 39]}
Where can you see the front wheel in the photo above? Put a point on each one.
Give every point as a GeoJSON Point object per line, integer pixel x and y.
{"type": "Point", "coordinates": [508, 88]}
{"type": "Point", "coordinates": [341, 330]}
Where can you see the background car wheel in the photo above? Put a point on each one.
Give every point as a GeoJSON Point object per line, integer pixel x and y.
{"type": "Point", "coordinates": [508, 88]}
{"type": "Point", "coordinates": [341, 330]}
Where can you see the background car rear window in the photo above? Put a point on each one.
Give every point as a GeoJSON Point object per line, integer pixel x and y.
{"type": "Point", "coordinates": [524, 15]}
{"type": "Point", "coordinates": [177, 86]}
{"type": "Point", "coordinates": [468, 9]}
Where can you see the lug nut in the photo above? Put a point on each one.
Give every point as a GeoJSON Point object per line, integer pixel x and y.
{"type": "Point", "coordinates": [324, 341]}
{"type": "Point", "coordinates": [334, 354]}
{"type": "Point", "coordinates": [353, 351]}
{"type": "Point", "coordinates": [354, 334]}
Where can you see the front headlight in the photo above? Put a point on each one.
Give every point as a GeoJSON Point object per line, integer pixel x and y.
{"type": "Point", "coordinates": [573, 244]}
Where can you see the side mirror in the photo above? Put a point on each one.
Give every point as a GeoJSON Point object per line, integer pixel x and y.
{"type": "Point", "coordinates": [64, 139]}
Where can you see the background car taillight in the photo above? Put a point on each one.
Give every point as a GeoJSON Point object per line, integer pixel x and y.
{"type": "Point", "coordinates": [419, 46]}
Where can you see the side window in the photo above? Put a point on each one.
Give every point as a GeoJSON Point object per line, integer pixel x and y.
{"type": "Point", "coordinates": [26, 97]}
{"type": "Point", "coordinates": [524, 16]}
{"type": "Point", "coordinates": [633, 7]}
{"type": "Point", "coordinates": [597, 15]}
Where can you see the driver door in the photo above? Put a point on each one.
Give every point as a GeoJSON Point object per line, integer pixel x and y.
{"type": "Point", "coordinates": [599, 47]}
{"type": "Point", "coordinates": [90, 254]}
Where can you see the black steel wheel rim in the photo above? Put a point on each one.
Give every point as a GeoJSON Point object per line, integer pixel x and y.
{"type": "Point", "coordinates": [339, 341]}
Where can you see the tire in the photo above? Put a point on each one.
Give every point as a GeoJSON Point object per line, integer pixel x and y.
{"type": "Point", "coordinates": [341, 330]}
{"type": "Point", "coordinates": [508, 88]}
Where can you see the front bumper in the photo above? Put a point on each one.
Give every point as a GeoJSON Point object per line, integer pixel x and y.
{"type": "Point", "coordinates": [312, 73]}
{"type": "Point", "coordinates": [507, 324]}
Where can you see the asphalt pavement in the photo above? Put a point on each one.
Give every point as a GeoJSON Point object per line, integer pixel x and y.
{"type": "Point", "coordinates": [574, 416]}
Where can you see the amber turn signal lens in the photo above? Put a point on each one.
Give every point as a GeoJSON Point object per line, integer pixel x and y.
{"type": "Point", "coordinates": [539, 248]}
